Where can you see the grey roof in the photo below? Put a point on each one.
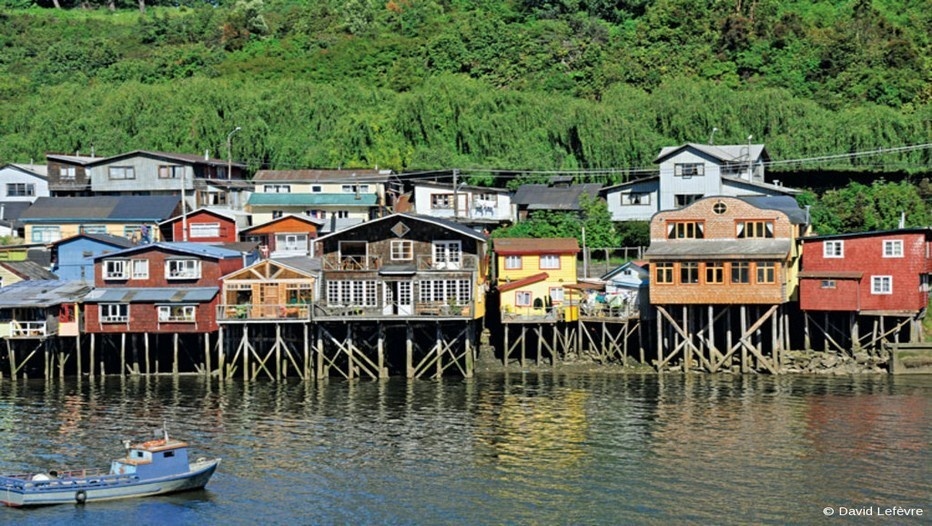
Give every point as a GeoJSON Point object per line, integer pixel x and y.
{"type": "Point", "coordinates": [337, 224]}
{"type": "Point", "coordinates": [719, 249]}
{"type": "Point", "coordinates": [42, 293]}
{"type": "Point", "coordinates": [624, 266]}
{"type": "Point", "coordinates": [608, 189]}
{"type": "Point", "coordinates": [184, 247]}
{"type": "Point", "coordinates": [449, 186]}
{"type": "Point", "coordinates": [727, 153]}
{"type": "Point", "coordinates": [322, 176]}
{"type": "Point", "coordinates": [82, 160]}
{"type": "Point", "coordinates": [446, 223]}
{"type": "Point", "coordinates": [780, 203]}
{"type": "Point", "coordinates": [737, 181]}
{"type": "Point", "coordinates": [548, 197]}
{"type": "Point", "coordinates": [152, 295]}
{"type": "Point", "coordinates": [117, 241]}
{"type": "Point", "coordinates": [101, 208]}
{"type": "Point", "coordinates": [12, 211]}
{"type": "Point", "coordinates": [29, 270]}
{"type": "Point", "coordinates": [190, 158]}
{"type": "Point", "coordinates": [36, 170]}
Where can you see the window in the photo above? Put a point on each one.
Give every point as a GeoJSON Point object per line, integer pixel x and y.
{"type": "Point", "coordinates": [688, 170]}
{"type": "Point", "coordinates": [444, 290]}
{"type": "Point", "coordinates": [317, 189]}
{"type": "Point", "coordinates": [828, 284]}
{"type": "Point", "coordinates": [754, 229]}
{"type": "Point", "coordinates": [201, 230]}
{"type": "Point", "coordinates": [67, 173]}
{"type": "Point", "coordinates": [522, 298]}
{"type": "Point", "coordinates": [556, 295]}
{"type": "Point", "coordinates": [171, 172]}
{"type": "Point", "coordinates": [45, 234]}
{"type": "Point", "coordinates": [549, 262]}
{"type": "Point", "coordinates": [114, 312]}
{"type": "Point", "coordinates": [277, 214]}
{"type": "Point", "coordinates": [447, 255]}
{"type": "Point", "coordinates": [719, 208]}
{"type": "Point", "coordinates": [182, 269]}
{"type": "Point", "coordinates": [140, 268]}
{"type": "Point", "coordinates": [352, 293]}
{"type": "Point", "coordinates": [354, 189]}
{"type": "Point", "coordinates": [681, 200]}
{"type": "Point", "coordinates": [833, 249]}
{"type": "Point", "coordinates": [177, 313]}
{"type": "Point", "coordinates": [715, 272]}
{"type": "Point", "coordinates": [881, 284]}
{"type": "Point", "coordinates": [635, 198]}
{"type": "Point", "coordinates": [277, 189]}
{"type": "Point", "coordinates": [122, 172]}
{"type": "Point", "coordinates": [740, 272]}
{"type": "Point", "coordinates": [20, 189]}
{"type": "Point", "coordinates": [513, 262]}
{"type": "Point", "coordinates": [766, 272]}
{"type": "Point", "coordinates": [115, 269]}
{"type": "Point", "coordinates": [893, 248]}
{"type": "Point", "coordinates": [93, 229]}
{"type": "Point", "coordinates": [689, 272]}
{"type": "Point", "coordinates": [402, 250]}
{"type": "Point", "coordinates": [685, 230]}
{"type": "Point", "coordinates": [664, 273]}
{"type": "Point", "coordinates": [441, 201]}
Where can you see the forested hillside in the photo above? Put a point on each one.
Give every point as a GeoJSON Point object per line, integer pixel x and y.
{"type": "Point", "coordinates": [488, 86]}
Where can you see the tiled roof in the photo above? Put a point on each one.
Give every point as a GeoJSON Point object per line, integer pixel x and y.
{"type": "Point", "coordinates": [526, 245]}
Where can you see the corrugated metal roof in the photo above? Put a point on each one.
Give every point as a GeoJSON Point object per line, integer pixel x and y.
{"type": "Point", "coordinates": [190, 158]}
{"type": "Point", "coordinates": [29, 270]}
{"type": "Point", "coordinates": [322, 176]}
{"type": "Point", "coordinates": [719, 249]}
{"type": "Point", "coordinates": [183, 247]}
{"type": "Point", "coordinates": [71, 159]}
{"type": "Point", "coordinates": [309, 199]}
{"type": "Point", "coordinates": [729, 153]}
{"type": "Point", "coordinates": [42, 293]}
{"type": "Point", "coordinates": [446, 223]}
{"type": "Point", "coordinates": [102, 208]}
{"type": "Point", "coordinates": [546, 197]}
{"type": "Point", "coordinates": [526, 245]}
{"type": "Point", "coordinates": [152, 295]}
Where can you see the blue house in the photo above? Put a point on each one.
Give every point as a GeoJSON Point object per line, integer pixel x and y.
{"type": "Point", "coordinates": [73, 257]}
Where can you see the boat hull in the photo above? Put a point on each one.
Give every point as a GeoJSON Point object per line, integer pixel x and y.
{"type": "Point", "coordinates": [107, 487]}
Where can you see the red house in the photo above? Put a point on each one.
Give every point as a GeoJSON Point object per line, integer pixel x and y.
{"type": "Point", "coordinates": [871, 273]}
{"type": "Point", "coordinates": [159, 288]}
{"type": "Point", "coordinates": [204, 225]}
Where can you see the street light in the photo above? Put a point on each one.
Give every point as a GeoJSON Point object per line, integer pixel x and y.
{"type": "Point", "coordinates": [229, 152]}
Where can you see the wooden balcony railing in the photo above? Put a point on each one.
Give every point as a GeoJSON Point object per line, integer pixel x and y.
{"type": "Point", "coordinates": [28, 329]}
{"type": "Point", "coordinates": [264, 312]}
{"type": "Point", "coordinates": [466, 262]}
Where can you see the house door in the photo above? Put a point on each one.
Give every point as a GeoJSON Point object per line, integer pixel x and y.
{"type": "Point", "coordinates": [398, 298]}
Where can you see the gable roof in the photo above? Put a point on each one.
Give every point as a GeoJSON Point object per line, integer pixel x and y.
{"type": "Point", "coordinates": [42, 293]}
{"type": "Point", "coordinates": [726, 153]}
{"type": "Point", "coordinates": [107, 239]}
{"type": "Point", "coordinates": [513, 246]}
{"type": "Point", "coordinates": [780, 203]}
{"type": "Point", "coordinates": [222, 214]}
{"type": "Point", "coordinates": [446, 223]}
{"type": "Point", "coordinates": [638, 269]}
{"type": "Point", "coordinates": [306, 266]}
{"type": "Point", "coordinates": [874, 233]}
{"type": "Point", "coordinates": [39, 171]}
{"type": "Point", "coordinates": [81, 160]}
{"type": "Point", "coordinates": [189, 158]}
{"type": "Point", "coordinates": [322, 176]}
{"type": "Point", "coordinates": [550, 197]}
{"type": "Point", "coordinates": [102, 208]}
{"type": "Point", "coordinates": [201, 250]}
{"type": "Point", "coordinates": [304, 219]}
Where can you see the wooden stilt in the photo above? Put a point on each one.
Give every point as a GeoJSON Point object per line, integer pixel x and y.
{"type": "Point", "coordinates": [745, 367]}
{"type": "Point", "coordinates": [409, 351]}
{"type": "Point", "coordinates": [77, 351]}
{"type": "Point", "coordinates": [122, 354]}
{"type": "Point", "coordinates": [245, 353]}
{"type": "Point", "coordinates": [92, 364]}
{"type": "Point", "coordinates": [307, 352]}
{"type": "Point", "coordinates": [470, 349]}
{"type": "Point", "coordinates": [175, 354]}
{"type": "Point", "coordinates": [321, 372]}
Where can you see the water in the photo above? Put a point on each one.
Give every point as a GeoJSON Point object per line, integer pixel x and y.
{"type": "Point", "coordinates": [498, 449]}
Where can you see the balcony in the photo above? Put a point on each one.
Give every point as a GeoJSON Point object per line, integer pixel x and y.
{"type": "Point", "coordinates": [295, 312]}
{"type": "Point", "coordinates": [465, 262]}
{"type": "Point", "coordinates": [351, 263]}
{"type": "Point", "coordinates": [28, 329]}
{"type": "Point", "coordinates": [425, 310]}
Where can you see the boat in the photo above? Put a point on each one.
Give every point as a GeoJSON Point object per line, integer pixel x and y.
{"type": "Point", "coordinates": [153, 467]}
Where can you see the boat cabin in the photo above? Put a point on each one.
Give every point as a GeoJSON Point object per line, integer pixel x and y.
{"type": "Point", "coordinates": [155, 458]}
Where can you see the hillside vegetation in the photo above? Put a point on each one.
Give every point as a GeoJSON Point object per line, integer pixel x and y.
{"type": "Point", "coordinates": [497, 88]}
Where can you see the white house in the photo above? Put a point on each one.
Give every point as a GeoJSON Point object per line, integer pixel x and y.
{"type": "Point", "coordinates": [23, 182]}
{"type": "Point", "coordinates": [689, 173]}
{"type": "Point", "coordinates": [472, 205]}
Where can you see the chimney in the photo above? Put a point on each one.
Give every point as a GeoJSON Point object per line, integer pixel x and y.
{"type": "Point", "coordinates": [902, 220]}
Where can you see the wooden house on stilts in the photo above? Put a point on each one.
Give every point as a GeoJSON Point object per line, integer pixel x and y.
{"type": "Point", "coordinates": [723, 273]}
{"type": "Point", "coordinates": [400, 294]}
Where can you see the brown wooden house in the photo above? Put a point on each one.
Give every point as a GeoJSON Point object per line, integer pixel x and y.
{"type": "Point", "coordinates": [270, 290]}
{"type": "Point", "coordinates": [403, 266]}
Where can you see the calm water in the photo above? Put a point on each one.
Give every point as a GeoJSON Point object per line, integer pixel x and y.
{"type": "Point", "coordinates": [501, 449]}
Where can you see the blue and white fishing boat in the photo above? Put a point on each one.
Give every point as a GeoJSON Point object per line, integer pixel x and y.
{"type": "Point", "coordinates": [154, 467]}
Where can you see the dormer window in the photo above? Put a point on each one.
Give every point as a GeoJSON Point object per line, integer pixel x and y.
{"type": "Point", "coordinates": [182, 269]}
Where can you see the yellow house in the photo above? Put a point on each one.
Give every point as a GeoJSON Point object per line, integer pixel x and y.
{"type": "Point", "coordinates": [532, 276]}
{"type": "Point", "coordinates": [51, 219]}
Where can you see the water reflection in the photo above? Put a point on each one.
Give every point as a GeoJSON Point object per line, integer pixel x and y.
{"type": "Point", "coordinates": [515, 448]}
